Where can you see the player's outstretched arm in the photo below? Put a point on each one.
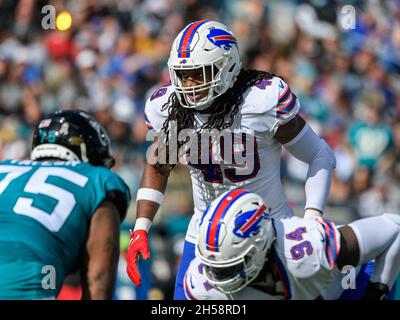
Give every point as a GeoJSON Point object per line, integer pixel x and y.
{"type": "Point", "coordinates": [373, 238]}
{"type": "Point", "coordinates": [100, 254]}
{"type": "Point", "coordinates": [150, 196]}
{"type": "Point", "coordinates": [304, 144]}
{"type": "Point", "coordinates": [154, 178]}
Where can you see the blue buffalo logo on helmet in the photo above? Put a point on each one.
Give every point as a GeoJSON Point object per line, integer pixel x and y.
{"type": "Point", "coordinates": [248, 223]}
{"type": "Point", "coordinates": [221, 38]}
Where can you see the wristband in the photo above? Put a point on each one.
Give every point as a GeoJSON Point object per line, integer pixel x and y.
{"type": "Point", "coordinates": [150, 194]}
{"type": "Point", "coordinates": [143, 224]}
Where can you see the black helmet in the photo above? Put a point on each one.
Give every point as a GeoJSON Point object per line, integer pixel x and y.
{"type": "Point", "coordinates": [72, 135]}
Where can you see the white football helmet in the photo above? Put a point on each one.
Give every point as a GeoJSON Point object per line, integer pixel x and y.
{"type": "Point", "coordinates": [235, 235]}
{"type": "Point", "coordinates": [210, 47]}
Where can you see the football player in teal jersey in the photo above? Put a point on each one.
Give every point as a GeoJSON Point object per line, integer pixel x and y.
{"type": "Point", "coordinates": [60, 211]}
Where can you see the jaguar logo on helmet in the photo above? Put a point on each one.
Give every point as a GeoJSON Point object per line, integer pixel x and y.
{"type": "Point", "coordinates": [221, 38]}
{"type": "Point", "coordinates": [248, 223]}
{"type": "Point", "coordinates": [103, 138]}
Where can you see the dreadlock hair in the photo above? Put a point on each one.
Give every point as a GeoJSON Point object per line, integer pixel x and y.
{"type": "Point", "coordinates": [226, 104]}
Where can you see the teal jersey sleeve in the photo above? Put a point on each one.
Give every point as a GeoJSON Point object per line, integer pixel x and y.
{"type": "Point", "coordinates": [110, 187]}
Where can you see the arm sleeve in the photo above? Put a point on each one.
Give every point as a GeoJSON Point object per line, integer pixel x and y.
{"type": "Point", "coordinates": [308, 147]}
{"type": "Point", "coordinates": [268, 107]}
{"type": "Point", "coordinates": [379, 239]}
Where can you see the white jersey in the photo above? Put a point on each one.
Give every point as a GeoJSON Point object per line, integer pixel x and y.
{"type": "Point", "coordinates": [304, 262]}
{"type": "Point", "coordinates": [266, 106]}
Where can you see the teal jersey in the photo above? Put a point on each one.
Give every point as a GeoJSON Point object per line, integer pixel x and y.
{"type": "Point", "coordinates": [45, 212]}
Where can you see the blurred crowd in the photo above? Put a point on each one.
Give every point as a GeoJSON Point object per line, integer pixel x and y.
{"type": "Point", "coordinates": [115, 54]}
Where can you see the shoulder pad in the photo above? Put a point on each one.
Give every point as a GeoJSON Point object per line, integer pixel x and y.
{"type": "Point", "coordinates": [269, 104]}
{"type": "Point", "coordinates": [261, 97]}
{"type": "Point", "coordinates": [154, 115]}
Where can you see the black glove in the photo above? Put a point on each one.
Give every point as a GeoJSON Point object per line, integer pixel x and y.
{"type": "Point", "coordinates": [376, 291]}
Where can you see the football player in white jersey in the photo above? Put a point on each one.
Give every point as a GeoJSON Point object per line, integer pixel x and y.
{"type": "Point", "coordinates": [242, 253]}
{"type": "Point", "coordinates": [210, 90]}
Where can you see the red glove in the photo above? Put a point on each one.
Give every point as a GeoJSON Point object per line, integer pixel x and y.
{"type": "Point", "coordinates": [138, 244]}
